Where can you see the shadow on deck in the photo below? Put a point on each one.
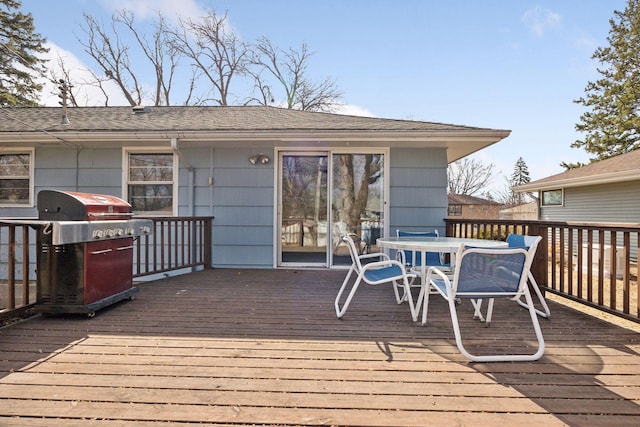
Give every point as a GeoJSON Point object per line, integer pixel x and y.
{"type": "Point", "coordinates": [263, 347]}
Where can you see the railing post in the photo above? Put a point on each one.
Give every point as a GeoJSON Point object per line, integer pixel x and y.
{"type": "Point", "coordinates": [540, 266]}
{"type": "Point", "coordinates": [208, 237]}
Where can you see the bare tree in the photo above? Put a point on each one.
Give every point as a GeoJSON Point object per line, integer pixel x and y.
{"type": "Point", "coordinates": [216, 57]}
{"type": "Point", "coordinates": [217, 54]}
{"type": "Point", "coordinates": [289, 68]}
{"type": "Point", "coordinates": [469, 176]}
{"type": "Point", "coordinates": [113, 56]}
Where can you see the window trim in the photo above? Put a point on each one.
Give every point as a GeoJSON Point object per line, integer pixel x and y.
{"type": "Point", "coordinates": [552, 205]}
{"type": "Point", "coordinates": [454, 212]}
{"type": "Point", "coordinates": [150, 150]}
{"type": "Point", "coordinates": [31, 152]}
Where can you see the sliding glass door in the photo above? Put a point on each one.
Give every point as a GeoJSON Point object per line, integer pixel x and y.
{"type": "Point", "coordinates": [323, 195]}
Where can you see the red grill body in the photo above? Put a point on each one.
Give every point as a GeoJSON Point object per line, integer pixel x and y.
{"type": "Point", "coordinates": [85, 259]}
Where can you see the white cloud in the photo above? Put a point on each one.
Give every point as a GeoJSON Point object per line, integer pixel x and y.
{"type": "Point", "coordinates": [540, 20]}
{"type": "Point", "coordinates": [353, 110]}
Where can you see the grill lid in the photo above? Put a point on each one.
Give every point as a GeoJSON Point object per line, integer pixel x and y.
{"type": "Point", "coordinates": [58, 205]}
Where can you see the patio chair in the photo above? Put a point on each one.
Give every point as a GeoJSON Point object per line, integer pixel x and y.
{"type": "Point", "coordinates": [412, 260]}
{"type": "Point", "coordinates": [530, 243]}
{"type": "Point", "coordinates": [373, 269]}
{"type": "Point", "coordinates": [482, 273]}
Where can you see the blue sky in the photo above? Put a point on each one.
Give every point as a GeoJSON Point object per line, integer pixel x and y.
{"type": "Point", "coordinates": [504, 64]}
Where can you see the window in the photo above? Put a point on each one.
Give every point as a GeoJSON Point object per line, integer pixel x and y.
{"type": "Point", "coordinates": [552, 198]}
{"type": "Point", "coordinates": [150, 182]}
{"type": "Point", "coordinates": [455, 210]}
{"type": "Point", "coordinates": [16, 184]}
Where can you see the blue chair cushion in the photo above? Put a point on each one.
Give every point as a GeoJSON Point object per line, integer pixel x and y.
{"type": "Point", "coordinates": [385, 273]}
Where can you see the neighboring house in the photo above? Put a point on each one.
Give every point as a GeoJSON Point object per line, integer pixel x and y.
{"type": "Point", "coordinates": [524, 212]}
{"type": "Point", "coordinates": [281, 184]}
{"type": "Point", "coordinates": [604, 191]}
{"type": "Point", "coordinates": [462, 206]}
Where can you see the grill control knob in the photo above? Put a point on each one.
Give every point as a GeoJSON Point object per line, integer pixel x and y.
{"type": "Point", "coordinates": [98, 234]}
{"type": "Point", "coordinates": [129, 231]}
{"type": "Point", "coordinates": [119, 231]}
{"type": "Point", "coordinates": [109, 233]}
{"type": "Point", "coordinates": [145, 230]}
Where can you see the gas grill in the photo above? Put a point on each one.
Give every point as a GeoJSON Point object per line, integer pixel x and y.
{"type": "Point", "coordinates": [85, 251]}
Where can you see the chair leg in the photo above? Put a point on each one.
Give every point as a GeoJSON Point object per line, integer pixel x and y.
{"type": "Point", "coordinates": [413, 307]}
{"type": "Point", "coordinates": [340, 311]}
{"type": "Point", "coordinates": [425, 302]}
{"type": "Point", "coordinates": [545, 312]}
{"type": "Point", "coordinates": [396, 286]}
{"type": "Point", "coordinates": [506, 357]}
{"type": "Point", "coordinates": [489, 311]}
{"type": "Point", "coordinates": [477, 305]}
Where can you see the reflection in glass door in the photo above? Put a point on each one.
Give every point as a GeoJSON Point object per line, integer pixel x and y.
{"type": "Point", "coordinates": [303, 209]}
{"type": "Point", "coordinates": [357, 202]}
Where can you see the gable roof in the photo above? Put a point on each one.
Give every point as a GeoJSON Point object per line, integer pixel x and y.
{"type": "Point", "coordinates": [625, 167]}
{"type": "Point", "coordinates": [232, 125]}
{"type": "Point", "coordinates": [464, 199]}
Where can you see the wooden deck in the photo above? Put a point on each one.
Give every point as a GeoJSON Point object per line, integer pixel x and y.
{"type": "Point", "coordinates": [249, 347]}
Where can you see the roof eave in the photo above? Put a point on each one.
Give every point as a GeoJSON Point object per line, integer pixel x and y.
{"type": "Point", "coordinates": [488, 136]}
{"type": "Point", "coordinates": [580, 181]}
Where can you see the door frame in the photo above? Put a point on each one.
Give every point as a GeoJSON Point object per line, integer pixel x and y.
{"type": "Point", "coordinates": [329, 152]}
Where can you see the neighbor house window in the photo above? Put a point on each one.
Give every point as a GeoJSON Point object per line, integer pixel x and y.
{"type": "Point", "coordinates": [455, 210]}
{"type": "Point", "coordinates": [16, 180]}
{"type": "Point", "coordinates": [552, 198]}
{"type": "Point", "coordinates": [151, 182]}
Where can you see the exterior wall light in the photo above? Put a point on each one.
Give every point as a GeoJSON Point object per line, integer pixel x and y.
{"type": "Point", "coordinates": [259, 159]}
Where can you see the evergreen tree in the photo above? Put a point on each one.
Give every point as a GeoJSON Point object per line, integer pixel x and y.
{"type": "Point", "coordinates": [520, 176]}
{"type": "Point", "coordinates": [520, 173]}
{"type": "Point", "coordinates": [20, 66]}
{"type": "Point", "coordinates": [611, 123]}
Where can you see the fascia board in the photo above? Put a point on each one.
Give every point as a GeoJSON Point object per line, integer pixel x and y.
{"type": "Point", "coordinates": [581, 181]}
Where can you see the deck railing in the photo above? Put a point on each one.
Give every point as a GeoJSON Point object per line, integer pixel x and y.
{"type": "Point", "coordinates": [176, 243]}
{"type": "Point", "coordinates": [593, 264]}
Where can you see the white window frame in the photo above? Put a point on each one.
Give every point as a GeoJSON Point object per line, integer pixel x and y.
{"type": "Point", "coordinates": [150, 150]}
{"type": "Point", "coordinates": [31, 153]}
{"type": "Point", "coordinates": [553, 205]}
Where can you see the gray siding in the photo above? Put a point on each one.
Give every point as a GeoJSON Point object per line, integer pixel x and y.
{"type": "Point", "coordinates": [242, 195]}
{"type": "Point", "coordinates": [618, 202]}
{"type": "Point", "coordinates": [243, 198]}
{"type": "Point", "coordinates": [418, 189]}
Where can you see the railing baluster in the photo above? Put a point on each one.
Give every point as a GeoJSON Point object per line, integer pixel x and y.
{"type": "Point", "coordinates": [11, 270]}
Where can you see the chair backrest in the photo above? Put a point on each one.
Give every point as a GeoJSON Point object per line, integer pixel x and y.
{"type": "Point", "coordinates": [491, 272]}
{"type": "Point", "coordinates": [353, 251]}
{"type": "Point", "coordinates": [530, 243]}
{"type": "Point", "coordinates": [433, 258]}
{"type": "Point", "coordinates": [522, 241]}
{"type": "Point", "coordinates": [433, 233]}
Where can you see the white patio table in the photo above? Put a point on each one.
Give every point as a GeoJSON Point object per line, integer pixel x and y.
{"type": "Point", "coordinates": [448, 245]}
{"type": "Point", "coordinates": [423, 245]}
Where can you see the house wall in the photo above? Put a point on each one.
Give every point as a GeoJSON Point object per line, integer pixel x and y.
{"type": "Point", "coordinates": [617, 202]}
{"type": "Point", "coordinates": [243, 204]}
{"type": "Point", "coordinates": [418, 189]}
{"type": "Point", "coordinates": [241, 197]}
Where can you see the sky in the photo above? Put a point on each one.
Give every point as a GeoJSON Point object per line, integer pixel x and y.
{"type": "Point", "coordinates": [501, 64]}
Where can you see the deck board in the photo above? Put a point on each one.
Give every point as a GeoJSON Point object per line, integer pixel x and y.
{"type": "Point", "coordinates": [256, 347]}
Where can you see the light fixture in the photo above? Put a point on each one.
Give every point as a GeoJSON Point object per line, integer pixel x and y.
{"type": "Point", "coordinates": [259, 159]}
